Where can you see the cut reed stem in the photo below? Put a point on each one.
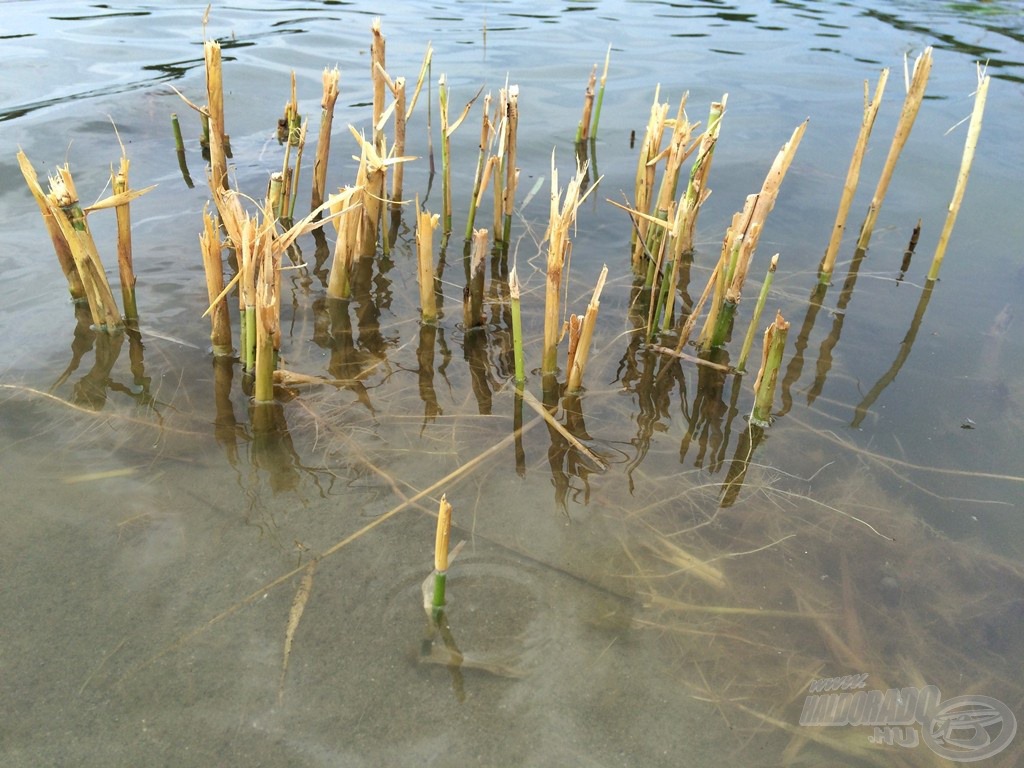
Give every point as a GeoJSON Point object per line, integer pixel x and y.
{"type": "Point", "coordinates": [911, 105]}
{"type": "Point", "coordinates": [755, 319]}
{"type": "Point", "coordinates": [426, 223]}
{"type": "Point", "coordinates": [330, 78]}
{"type": "Point", "coordinates": [441, 540]}
{"type": "Point", "coordinates": [767, 376]}
{"type": "Point", "coordinates": [852, 176]}
{"type": "Point", "coordinates": [220, 321]}
{"type": "Point", "coordinates": [215, 114]}
{"type": "Point", "coordinates": [517, 327]}
{"type": "Point", "coordinates": [126, 270]}
{"type": "Point", "coordinates": [600, 94]}
{"type": "Point", "coordinates": [577, 363]}
{"type": "Point", "coordinates": [970, 145]}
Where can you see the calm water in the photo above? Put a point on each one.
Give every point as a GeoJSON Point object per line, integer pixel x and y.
{"type": "Point", "coordinates": [667, 594]}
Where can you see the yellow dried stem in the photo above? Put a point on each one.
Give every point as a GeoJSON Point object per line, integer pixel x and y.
{"type": "Point", "coordinates": [853, 174]}
{"type": "Point", "coordinates": [331, 78]}
{"type": "Point", "coordinates": [511, 171]}
{"type": "Point", "coordinates": [215, 112]}
{"type": "Point", "coordinates": [126, 270]}
{"type": "Point", "coordinates": [971, 143]}
{"type": "Point", "coordinates": [397, 178]}
{"type": "Point", "coordinates": [578, 362]}
{"type": "Point", "coordinates": [210, 247]}
{"type": "Point", "coordinates": [60, 244]}
{"type": "Point", "coordinates": [583, 130]}
{"type": "Point", "coordinates": [444, 529]}
{"type": "Point", "coordinates": [426, 223]}
{"type": "Point", "coordinates": [377, 61]}
{"type": "Point", "coordinates": [911, 106]}
{"type": "Point", "coordinates": [346, 211]}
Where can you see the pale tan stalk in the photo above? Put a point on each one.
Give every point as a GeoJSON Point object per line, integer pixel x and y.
{"type": "Point", "coordinates": [853, 175]}
{"type": "Point", "coordinates": [331, 78]}
{"type": "Point", "coordinates": [511, 171]}
{"type": "Point", "coordinates": [215, 111]}
{"type": "Point", "coordinates": [583, 129]}
{"type": "Point", "coordinates": [578, 362]}
{"type": "Point", "coordinates": [126, 270]}
{"type": "Point", "coordinates": [213, 266]}
{"type": "Point", "coordinates": [377, 66]}
{"type": "Point", "coordinates": [426, 223]}
{"type": "Point", "coordinates": [970, 145]}
{"type": "Point", "coordinates": [911, 106]}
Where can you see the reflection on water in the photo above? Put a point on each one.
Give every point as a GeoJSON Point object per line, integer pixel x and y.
{"type": "Point", "coordinates": [649, 575]}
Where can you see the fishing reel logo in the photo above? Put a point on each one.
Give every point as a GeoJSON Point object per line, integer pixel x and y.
{"type": "Point", "coordinates": [962, 729]}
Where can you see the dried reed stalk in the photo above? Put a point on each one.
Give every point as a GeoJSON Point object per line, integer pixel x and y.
{"type": "Point", "coordinates": [767, 376]}
{"type": "Point", "coordinates": [474, 307]}
{"type": "Point", "coordinates": [646, 170]}
{"type": "Point", "coordinates": [577, 363]}
{"type": "Point", "coordinates": [741, 241]}
{"type": "Point", "coordinates": [220, 320]}
{"type": "Point", "coordinates": [346, 210]}
{"type": "Point", "coordinates": [60, 243]}
{"type": "Point", "coordinates": [398, 176]}
{"type": "Point", "coordinates": [377, 68]}
{"type": "Point", "coordinates": [970, 145]}
{"type": "Point", "coordinates": [215, 114]}
{"type": "Point", "coordinates": [911, 105]}
{"type": "Point", "coordinates": [126, 270]}
{"type": "Point", "coordinates": [480, 176]}
{"type": "Point", "coordinates": [64, 206]}
{"type": "Point", "coordinates": [426, 223]}
{"type": "Point", "coordinates": [562, 217]}
{"type": "Point", "coordinates": [330, 78]}
{"type": "Point", "coordinates": [583, 129]}
{"type": "Point", "coordinates": [852, 176]}
{"type": "Point", "coordinates": [511, 171]}
{"type": "Point", "coordinates": [674, 154]}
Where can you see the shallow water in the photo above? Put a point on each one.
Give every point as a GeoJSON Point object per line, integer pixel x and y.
{"type": "Point", "coordinates": [671, 593]}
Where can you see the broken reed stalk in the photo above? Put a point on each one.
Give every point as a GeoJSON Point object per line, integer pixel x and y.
{"type": "Point", "coordinates": [690, 202]}
{"type": "Point", "coordinates": [755, 319]}
{"type": "Point", "coordinates": [346, 212]}
{"type": "Point", "coordinates": [446, 180]}
{"type": "Point", "coordinates": [600, 94]}
{"type": "Point", "coordinates": [398, 175]}
{"type": "Point", "coordinates": [126, 270]}
{"type": "Point", "coordinates": [330, 79]}
{"type": "Point", "coordinates": [517, 326]}
{"type": "Point", "coordinates": [767, 377]}
{"type": "Point", "coordinates": [220, 320]}
{"type": "Point", "coordinates": [426, 223]}
{"type": "Point", "coordinates": [561, 218]}
{"type": "Point", "coordinates": [441, 539]}
{"type": "Point", "coordinates": [511, 171]}
{"type": "Point", "coordinates": [583, 128]}
{"type": "Point", "coordinates": [970, 145]}
{"type": "Point", "coordinates": [293, 181]}
{"type": "Point", "coordinates": [215, 115]}
{"type": "Point", "coordinates": [675, 154]}
{"type": "Point", "coordinates": [852, 177]}
{"type": "Point", "coordinates": [66, 210]}
{"type": "Point", "coordinates": [377, 70]}
{"type": "Point", "coordinates": [480, 176]}
{"type": "Point", "coordinates": [268, 314]}
{"type": "Point", "coordinates": [577, 363]}
{"type": "Point", "coordinates": [473, 312]}
{"type": "Point", "coordinates": [911, 105]}
{"type": "Point", "coordinates": [742, 238]}
{"type": "Point", "coordinates": [60, 244]}
{"type": "Point", "coordinates": [643, 187]}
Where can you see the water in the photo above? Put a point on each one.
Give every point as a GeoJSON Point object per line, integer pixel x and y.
{"type": "Point", "coordinates": [674, 592]}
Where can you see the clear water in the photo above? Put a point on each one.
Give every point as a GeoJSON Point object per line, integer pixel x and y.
{"type": "Point", "coordinates": [154, 538]}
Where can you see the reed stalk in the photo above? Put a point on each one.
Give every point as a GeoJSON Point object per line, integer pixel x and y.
{"type": "Point", "coordinates": [517, 327]}
{"type": "Point", "coordinates": [600, 94]}
{"type": "Point", "coordinates": [126, 270]}
{"type": "Point", "coordinates": [480, 176]}
{"type": "Point", "coordinates": [690, 202]}
{"type": "Point", "coordinates": [474, 307]}
{"type": "Point", "coordinates": [674, 154]}
{"type": "Point", "coordinates": [583, 128]}
{"type": "Point", "coordinates": [970, 145]}
{"type": "Point", "coordinates": [852, 176]}
{"type": "Point", "coordinates": [911, 105]}
{"type": "Point", "coordinates": [446, 179]}
{"type": "Point", "coordinates": [755, 319]}
{"type": "Point", "coordinates": [767, 376]}
{"type": "Point", "coordinates": [562, 217]}
{"type": "Point", "coordinates": [398, 176]}
{"type": "Point", "coordinates": [346, 212]}
{"type": "Point", "coordinates": [63, 202]}
{"type": "Point", "coordinates": [426, 223]}
{"type": "Point", "coordinates": [179, 149]}
{"type": "Point", "coordinates": [377, 70]}
{"type": "Point", "coordinates": [441, 540]}
{"type": "Point", "coordinates": [511, 171]}
{"type": "Point", "coordinates": [646, 170]}
{"type": "Point", "coordinates": [268, 327]}
{"type": "Point", "coordinates": [293, 180]}
{"type": "Point", "coordinates": [215, 115]}
{"type": "Point", "coordinates": [220, 320]}
{"type": "Point", "coordinates": [577, 363]}
{"type": "Point", "coordinates": [275, 193]}
{"type": "Point", "coordinates": [330, 80]}
{"type": "Point", "coordinates": [60, 244]}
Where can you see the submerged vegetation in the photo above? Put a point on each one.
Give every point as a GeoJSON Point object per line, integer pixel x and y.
{"type": "Point", "coordinates": [797, 577]}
